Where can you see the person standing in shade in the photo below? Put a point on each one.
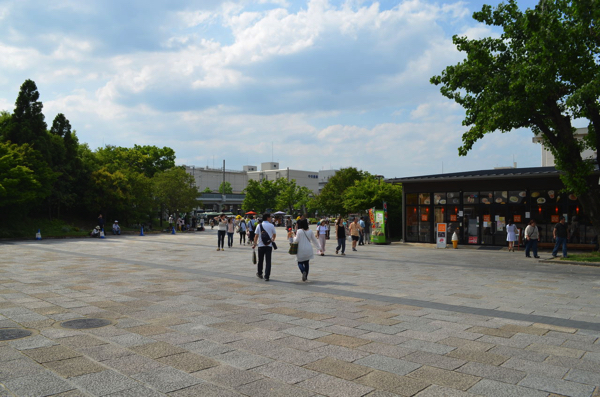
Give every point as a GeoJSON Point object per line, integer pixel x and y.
{"type": "Point", "coordinates": [170, 222]}
{"type": "Point", "coordinates": [264, 250]}
{"type": "Point", "coordinates": [511, 235]}
{"type": "Point", "coordinates": [230, 231]}
{"type": "Point", "coordinates": [222, 230]}
{"type": "Point", "coordinates": [322, 233]}
{"type": "Point", "coordinates": [532, 235]}
{"type": "Point", "coordinates": [560, 236]}
{"type": "Point", "coordinates": [101, 222]}
{"type": "Point", "coordinates": [355, 233]}
{"type": "Point", "coordinates": [304, 238]}
{"type": "Point", "coordinates": [340, 233]}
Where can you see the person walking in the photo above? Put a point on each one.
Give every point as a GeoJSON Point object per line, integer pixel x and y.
{"type": "Point", "coordinates": [230, 231]}
{"type": "Point", "coordinates": [355, 232]}
{"type": "Point", "coordinates": [340, 233]}
{"type": "Point", "coordinates": [511, 235]}
{"type": "Point", "coordinates": [264, 250]}
{"type": "Point", "coordinates": [222, 230]}
{"type": "Point", "coordinates": [305, 238]}
{"type": "Point", "coordinates": [242, 230]}
{"type": "Point", "coordinates": [251, 228]}
{"type": "Point", "coordinates": [361, 236]}
{"type": "Point", "coordinates": [532, 235]}
{"type": "Point", "coordinates": [560, 236]}
{"type": "Point", "coordinates": [322, 233]}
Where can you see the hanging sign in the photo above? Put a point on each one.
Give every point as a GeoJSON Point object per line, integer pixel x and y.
{"type": "Point", "coordinates": [423, 217]}
{"type": "Point", "coordinates": [486, 218]}
{"type": "Point", "coordinates": [517, 218]}
{"type": "Point", "coordinates": [554, 218]}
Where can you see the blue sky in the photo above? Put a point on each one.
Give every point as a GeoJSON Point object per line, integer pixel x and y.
{"type": "Point", "coordinates": [325, 83]}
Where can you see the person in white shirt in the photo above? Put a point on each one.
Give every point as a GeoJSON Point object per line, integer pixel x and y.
{"type": "Point", "coordinates": [222, 222]}
{"type": "Point", "coordinates": [322, 233]}
{"type": "Point", "coordinates": [264, 250]}
{"type": "Point", "coordinates": [116, 229]}
{"type": "Point", "coordinates": [304, 238]}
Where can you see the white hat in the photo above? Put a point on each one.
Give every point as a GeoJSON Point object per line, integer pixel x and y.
{"type": "Point", "coordinates": [116, 221]}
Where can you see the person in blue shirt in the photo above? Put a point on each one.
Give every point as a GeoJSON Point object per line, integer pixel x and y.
{"type": "Point", "coordinates": [361, 239]}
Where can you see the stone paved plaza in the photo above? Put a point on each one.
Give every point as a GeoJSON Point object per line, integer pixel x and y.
{"type": "Point", "coordinates": [186, 320]}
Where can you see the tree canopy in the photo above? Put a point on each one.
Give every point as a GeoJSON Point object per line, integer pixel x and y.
{"type": "Point", "coordinates": [542, 73]}
{"type": "Point", "coordinates": [225, 188]}
{"type": "Point", "coordinates": [331, 198]}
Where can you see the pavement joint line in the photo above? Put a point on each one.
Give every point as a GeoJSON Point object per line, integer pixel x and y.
{"type": "Point", "coordinates": [361, 295]}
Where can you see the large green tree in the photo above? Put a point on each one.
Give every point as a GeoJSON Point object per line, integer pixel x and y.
{"type": "Point", "coordinates": [290, 196]}
{"type": "Point", "coordinates": [260, 196]}
{"type": "Point", "coordinates": [331, 199]}
{"type": "Point", "coordinates": [175, 191]}
{"type": "Point", "coordinates": [542, 73]}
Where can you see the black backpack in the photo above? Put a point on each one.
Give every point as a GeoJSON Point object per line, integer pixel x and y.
{"type": "Point", "coordinates": [264, 236]}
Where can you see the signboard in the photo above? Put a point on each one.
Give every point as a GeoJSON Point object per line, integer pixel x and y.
{"type": "Point", "coordinates": [378, 228]}
{"type": "Point", "coordinates": [486, 218]}
{"type": "Point", "coordinates": [554, 218]}
{"type": "Point", "coordinates": [441, 233]}
{"type": "Point", "coordinates": [517, 218]}
{"type": "Point", "coordinates": [452, 218]}
{"type": "Point", "coordinates": [385, 211]}
{"type": "Point", "coordinates": [472, 239]}
{"type": "Point", "coordinates": [423, 217]}
{"type": "Point", "coordinates": [527, 215]}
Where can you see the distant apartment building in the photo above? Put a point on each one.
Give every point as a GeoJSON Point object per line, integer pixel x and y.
{"type": "Point", "coordinates": [206, 177]}
{"type": "Point", "coordinates": [271, 171]}
{"type": "Point", "coordinates": [548, 158]}
{"type": "Point", "coordinates": [324, 176]}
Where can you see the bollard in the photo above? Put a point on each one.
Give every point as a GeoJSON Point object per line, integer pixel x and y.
{"type": "Point", "coordinates": [142, 231]}
{"type": "Point", "coordinates": [102, 233]}
{"type": "Point", "coordinates": [173, 230]}
{"type": "Point", "coordinates": [38, 235]}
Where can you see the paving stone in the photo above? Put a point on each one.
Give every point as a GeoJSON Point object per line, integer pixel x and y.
{"type": "Point", "coordinates": [133, 364]}
{"type": "Point", "coordinates": [52, 353]}
{"type": "Point", "coordinates": [334, 387]}
{"type": "Point", "coordinates": [338, 368]}
{"type": "Point", "coordinates": [296, 342]}
{"type": "Point", "coordinates": [493, 372]}
{"type": "Point", "coordinates": [564, 387]}
{"type": "Point", "coordinates": [232, 326]}
{"type": "Point", "coordinates": [588, 356]}
{"type": "Point", "coordinates": [440, 391]}
{"type": "Point", "coordinates": [271, 388]}
{"type": "Point", "coordinates": [103, 383]}
{"type": "Point", "coordinates": [388, 364]}
{"type": "Point", "coordinates": [105, 352]}
{"type": "Point", "coordinates": [296, 357]}
{"type": "Point", "coordinates": [555, 350]}
{"type": "Point", "coordinates": [74, 367]}
{"type": "Point", "coordinates": [71, 393]}
{"type": "Point", "coordinates": [532, 367]}
{"type": "Point", "coordinates": [525, 330]}
{"type": "Point", "coordinates": [78, 341]}
{"type": "Point", "coordinates": [585, 377]}
{"type": "Point", "coordinates": [176, 338]}
{"type": "Point", "coordinates": [138, 391]}
{"type": "Point", "coordinates": [569, 362]}
{"type": "Point", "coordinates": [467, 344]}
{"type": "Point", "coordinates": [242, 360]}
{"type": "Point", "coordinates": [491, 331]}
{"type": "Point", "coordinates": [7, 353]}
{"type": "Point", "coordinates": [429, 347]}
{"type": "Point", "coordinates": [157, 349]}
{"type": "Point", "coordinates": [227, 376]}
{"type": "Point", "coordinates": [341, 353]}
{"type": "Point", "coordinates": [383, 338]}
{"type": "Point", "coordinates": [129, 340]}
{"type": "Point", "coordinates": [381, 393]}
{"type": "Point", "coordinates": [205, 390]}
{"type": "Point", "coordinates": [207, 348]}
{"type": "Point", "coordinates": [518, 353]}
{"type": "Point", "coordinates": [398, 384]}
{"type": "Point", "coordinates": [167, 379]}
{"type": "Point", "coordinates": [38, 384]}
{"type": "Point", "coordinates": [386, 350]}
{"type": "Point", "coordinates": [189, 362]}
{"type": "Point", "coordinates": [434, 360]}
{"type": "Point", "coordinates": [17, 368]}
{"type": "Point", "coordinates": [480, 357]}
{"type": "Point", "coordinates": [287, 373]}
{"type": "Point", "coordinates": [492, 388]}
{"type": "Point", "coordinates": [307, 333]}
{"type": "Point", "coordinates": [33, 342]}
{"type": "Point", "coordinates": [443, 377]}
{"type": "Point", "coordinates": [342, 340]}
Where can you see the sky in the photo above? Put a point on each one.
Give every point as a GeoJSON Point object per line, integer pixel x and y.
{"type": "Point", "coordinates": [311, 84]}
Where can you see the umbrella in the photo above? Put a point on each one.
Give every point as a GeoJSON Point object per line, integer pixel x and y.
{"type": "Point", "coordinates": [250, 213]}
{"type": "Point", "coordinates": [279, 213]}
{"type": "Point", "coordinates": [238, 217]}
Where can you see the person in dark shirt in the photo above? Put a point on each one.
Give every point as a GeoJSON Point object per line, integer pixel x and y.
{"type": "Point", "coordinates": [101, 222]}
{"type": "Point", "coordinates": [560, 235]}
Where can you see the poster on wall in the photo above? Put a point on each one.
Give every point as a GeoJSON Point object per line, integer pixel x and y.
{"type": "Point", "coordinates": [423, 217]}
{"type": "Point", "coordinates": [517, 218]}
{"type": "Point", "coordinates": [452, 218]}
{"type": "Point", "coordinates": [472, 239]}
{"type": "Point", "coordinates": [378, 232]}
{"type": "Point", "coordinates": [554, 218]}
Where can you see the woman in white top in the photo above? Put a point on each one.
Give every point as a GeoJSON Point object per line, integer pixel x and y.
{"type": "Point", "coordinates": [511, 235]}
{"type": "Point", "coordinates": [304, 238]}
{"type": "Point", "coordinates": [222, 222]}
{"type": "Point", "coordinates": [322, 234]}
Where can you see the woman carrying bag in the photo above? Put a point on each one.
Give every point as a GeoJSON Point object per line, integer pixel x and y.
{"type": "Point", "coordinates": [304, 238]}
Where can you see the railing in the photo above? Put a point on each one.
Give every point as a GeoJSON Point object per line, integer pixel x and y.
{"type": "Point", "coordinates": [219, 196]}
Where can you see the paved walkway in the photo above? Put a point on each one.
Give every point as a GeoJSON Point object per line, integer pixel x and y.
{"type": "Point", "coordinates": [187, 320]}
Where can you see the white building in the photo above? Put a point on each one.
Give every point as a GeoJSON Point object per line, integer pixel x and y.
{"type": "Point", "coordinates": [271, 172]}
{"type": "Point", "coordinates": [548, 158]}
{"type": "Point", "coordinates": [324, 176]}
{"type": "Point", "coordinates": [213, 177]}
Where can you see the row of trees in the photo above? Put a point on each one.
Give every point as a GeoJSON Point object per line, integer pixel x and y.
{"type": "Point", "coordinates": [47, 172]}
{"type": "Point", "coordinates": [348, 191]}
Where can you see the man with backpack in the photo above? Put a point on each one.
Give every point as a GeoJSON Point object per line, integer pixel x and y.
{"type": "Point", "coordinates": [264, 237]}
{"type": "Point", "coordinates": [251, 228]}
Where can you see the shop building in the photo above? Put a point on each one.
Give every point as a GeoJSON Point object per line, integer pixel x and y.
{"type": "Point", "coordinates": [480, 203]}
